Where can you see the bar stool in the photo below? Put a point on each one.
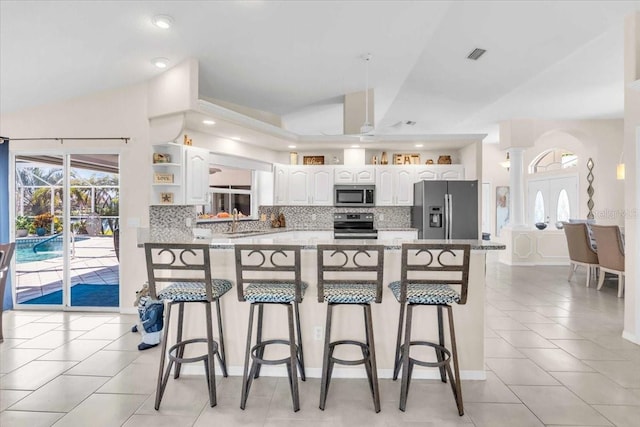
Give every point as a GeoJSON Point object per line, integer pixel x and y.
{"type": "Point", "coordinates": [427, 273]}
{"type": "Point", "coordinates": [270, 275]}
{"type": "Point", "coordinates": [191, 263]}
{"type": "Point", "coordinates": [350, 275]}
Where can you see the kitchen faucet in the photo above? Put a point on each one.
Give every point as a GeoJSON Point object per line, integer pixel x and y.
{"type": "Point", "coordinates": [234, 220]}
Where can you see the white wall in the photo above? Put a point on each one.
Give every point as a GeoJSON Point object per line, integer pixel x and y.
{"type": "Point", "coordinates": [118, 113]}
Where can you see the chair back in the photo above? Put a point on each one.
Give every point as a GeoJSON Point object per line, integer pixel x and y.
{"type": "Point", "coordinates": [6, 252]}
{"type": "Point", "coordinates": [268, 264]}
{"type": "Point", "coordinates": [579, 243]}
{"type": "Point", "coordinates": [610, 246]}
{"type": "Point", "coordinates": [178, 263]}
{"type": "Point", "coordinates": [343, 265]}
{"type": "Point", "coordinates": [435, 264]}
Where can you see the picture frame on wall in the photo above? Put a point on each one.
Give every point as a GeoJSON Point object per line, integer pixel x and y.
{"type": "Point", "coordinates": [502, 207]}
{"type": "Point", "coordinates": [313, 160]}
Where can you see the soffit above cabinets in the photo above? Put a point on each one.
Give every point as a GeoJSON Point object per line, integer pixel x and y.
{"type": "Point", "coordinates": [239, 127]}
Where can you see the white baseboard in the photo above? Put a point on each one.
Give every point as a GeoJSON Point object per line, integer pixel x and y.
{"type": "Point", "coordinates": [128, 310]}
{"type": "Point", "coordinates": [630, 337]}
{"type": "Point", "coordinates": [278, 371]}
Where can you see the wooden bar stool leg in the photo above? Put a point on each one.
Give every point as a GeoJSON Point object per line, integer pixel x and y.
{"type": "Point", "coordinates": [406, 371]}
{"type": "Point", "coordinates": [163, 357]}
{"type": "Point", "coordinates": [221, 354]}
{"type": "Point", "coordinates": [324, 382]}
{"type": "Point", "coordinates": [300, 353]}
{"type": "Point", "coordinates": [398, 357]}
{"type": "Point", "coordinates": [247, 354]}
{"type": "Point", "coordinates": [210, 362]}
{"type": "Point", "coordinates": [294, 360]}
{"type": "Point", "coordinates": [455, 381]}
{"type": "Point", "coordinates": [373, 367]}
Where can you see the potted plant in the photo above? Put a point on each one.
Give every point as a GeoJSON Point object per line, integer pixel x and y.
{"type": "Point", "coordinates": [42, 223]}
{"type": "Point", "coordinates": [22, 226]}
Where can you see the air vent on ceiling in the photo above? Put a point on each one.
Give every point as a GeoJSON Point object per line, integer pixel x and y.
{"type": "Point", "coordinates": [477, 53]}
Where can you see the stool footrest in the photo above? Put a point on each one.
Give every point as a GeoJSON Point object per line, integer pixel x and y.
{"type": "Point", "coordinates": [363, 346]}
{"type": "Point", "coordinates": [179, 345]}
{"type": "Point", "coordinates": [263, 344]}
{"type": "Point", "coordinates": [437, 348]}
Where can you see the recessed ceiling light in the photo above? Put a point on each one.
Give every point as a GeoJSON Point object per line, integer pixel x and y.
{"type": "Point", "coordinates": [355, 146]}
{"type": "Point", "coordinates": [162, 21]}
{"type": "Point", "coordinates": [292, 146]}
{"type": "Point", "coordinates": [208, 122]}
{"type": "Point", "coordinates": [235, 138]}
{"type": "Point", "coordinates": [419, 145]}
{"type": "Point", "coordinates": [160, 62]}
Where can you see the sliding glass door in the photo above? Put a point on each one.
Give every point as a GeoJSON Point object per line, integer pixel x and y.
{"type": "Point", "coordinates": [67, 229]}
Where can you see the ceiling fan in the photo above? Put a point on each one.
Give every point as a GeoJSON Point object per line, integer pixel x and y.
{"type": "Point", "coordinates": [367, 130]}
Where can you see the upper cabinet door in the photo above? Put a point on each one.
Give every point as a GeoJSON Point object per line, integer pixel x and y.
{"type": "Point", "coordinates": [196, 175]}
{"type": "Point", "coordinates": [299, 187]}
{"type": "Point", "coordinates": [384, 187]}
{"type": "Point", "coordinates": [281, 184]}
{"type": "Point", "coordinates": [355, 175]}
{"type": "Point", "coordinates": [426, 173]}
{"type": "Point", "coordinates": [451, 172]}
{"type": "Point", "coordinates": [404, 179]}
{"type": "Point", "coordinates": [322, 187]}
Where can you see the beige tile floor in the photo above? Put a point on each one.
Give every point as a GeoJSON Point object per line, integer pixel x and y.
{"type": "Point", "coordinates": [554, 358]}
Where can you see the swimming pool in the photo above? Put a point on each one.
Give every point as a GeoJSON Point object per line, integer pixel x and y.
{"type": "Point", "coordinates": [49, 250]}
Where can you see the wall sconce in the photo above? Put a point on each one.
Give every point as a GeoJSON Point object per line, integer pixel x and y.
{"type": "Point", "coordinates": [507, 163]}
{"type": "Point", "coordinates": [620, 169]}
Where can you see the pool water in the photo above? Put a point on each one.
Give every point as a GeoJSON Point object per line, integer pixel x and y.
{"type": "Point", "coordinates": [49, 250]}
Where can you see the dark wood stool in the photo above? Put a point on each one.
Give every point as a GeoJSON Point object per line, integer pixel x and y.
{"type": "Point", "coordinates": [428, 271]}
{"type": "Point", "coordinates": [350, 275]}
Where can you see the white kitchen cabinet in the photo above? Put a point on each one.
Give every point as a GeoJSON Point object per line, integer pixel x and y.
{"type": "Point", "coordinates": [196, 176]}
{"type": "Point", "coordinates": [399, 235]}
{"type": "Point", "coordinates": [281, 184]}
{"type": "Point", "coordinates": [439, 172]}
{"type": "Point", "coordinates": [355, 175]}
{"type": "Point", "coordinates": [304, 185]}
{"type": "Point", "coordinates": [180, 175]}
{"type": "Point", "coordinates": [394, 186]}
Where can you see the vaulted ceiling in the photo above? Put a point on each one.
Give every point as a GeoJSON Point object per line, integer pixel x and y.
{"type": "Point", "coordinates": [296, 59]}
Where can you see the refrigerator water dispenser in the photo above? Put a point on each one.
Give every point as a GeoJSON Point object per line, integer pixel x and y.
{"type": "Point", "coordinates": [435, 216]}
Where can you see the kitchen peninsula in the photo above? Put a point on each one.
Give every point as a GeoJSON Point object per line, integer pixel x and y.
{"type": "Point", "coordinates": [469, 318]}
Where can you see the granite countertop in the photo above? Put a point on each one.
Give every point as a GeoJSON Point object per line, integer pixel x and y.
{"type": "Point", "coordinates": [222, 241]}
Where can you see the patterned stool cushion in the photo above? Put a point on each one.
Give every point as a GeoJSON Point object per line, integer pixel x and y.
{"type": "Point", "coordinates": [426, 294]}
{"type": "Point", "coordinates": [194, 291]}
{"type": "Point", "coordinates": [272, 292]}
{"type": "Point", "coordinates": [349, 293]}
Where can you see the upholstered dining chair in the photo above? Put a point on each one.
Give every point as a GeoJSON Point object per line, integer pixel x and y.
{"type": "Point", "coordinates": [581, 252]}
{"type": "Point", "coordinates": [6, 252]}
{"type": "Point", "coordinates": [610, 253]}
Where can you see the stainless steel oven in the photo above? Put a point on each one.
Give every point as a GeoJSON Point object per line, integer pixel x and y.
{"type": "Point", "coordinates": [354, 226]}
{"type": "Point", "coordinates": [354, 195]}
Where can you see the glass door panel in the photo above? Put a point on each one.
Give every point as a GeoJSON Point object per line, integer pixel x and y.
{"type": "Point", "coordinates": [39, 220]}
{"type": "Point", "coordinates": [94, 190]}
{"type": "Point", "coordinates": [69, 253]}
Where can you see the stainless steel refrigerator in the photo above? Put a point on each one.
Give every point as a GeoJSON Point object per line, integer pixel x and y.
{"type": "Point", "coordinates": [445, 209]}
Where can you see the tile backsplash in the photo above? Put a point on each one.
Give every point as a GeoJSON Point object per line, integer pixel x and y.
{"type": "Point", "coordinates": [297, 217]}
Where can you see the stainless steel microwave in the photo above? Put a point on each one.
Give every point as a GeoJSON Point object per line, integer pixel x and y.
{"type": "Point", "coordinates": [354, 195]}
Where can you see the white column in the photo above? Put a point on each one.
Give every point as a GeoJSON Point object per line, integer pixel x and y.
{"type": "Point", "coordinates": [516, 190]}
